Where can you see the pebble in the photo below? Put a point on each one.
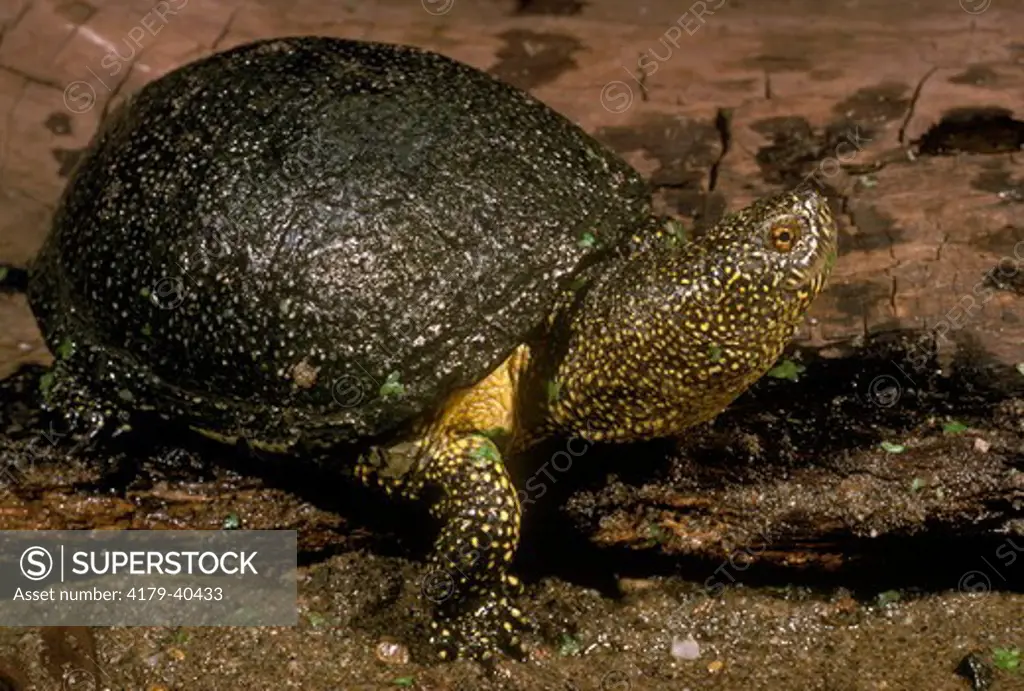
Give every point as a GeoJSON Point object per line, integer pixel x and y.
{"type": "Point", "coordinates": [392, 653]}
{"type": "Point", "coordinates": [685, 648]}
{"type": "Point", "coordinates": [981, 446]}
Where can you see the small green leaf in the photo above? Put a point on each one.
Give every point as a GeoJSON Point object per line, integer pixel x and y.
{"type": "Point", "coordinates": [888, 597]}
{"type": "Point", "coordinates": [676, 233]}
{"type": "Point", "coordinates": [554, 390]}
{"type": "Point", "coordinates": [145, 292]}
{"type": "Point", "coordinates": [715, 353]}
{"type": "Point", "coordinates": [3, 272]}
{"type": "Point", "coordinates": [231, 522]}
{"type": "Point", "coordinates": [486, 451]}
{"type": "Point", "coordinates": [391, 386]}
{"type": "Point", "coordinates": [916, 485]}
{"type": "Point", "coordinates": [893, 448]}
{"type": "Point", "coordinates": [587, 240]}
{"type": "Point", "coordinates": [46, 383]}
{"type": "Point", "coordinates": [147, 330]}
{"type": "Point", "coordinates": [657, 533]}
{"type": "Point", "coordinates": [787, 369]}
{"type": "Point", "coordinates": [404, 681]}
{"type": "Point", "coordinates": [570, 645]}
{"type": "Point", "coordinates": [954, 427]}
{"type": "Point", "coordinates": [1006, 658]}
{"type": "Point", "coordinates": [316, 619]}
{"type": "Point", "coordinates": [65, 349]}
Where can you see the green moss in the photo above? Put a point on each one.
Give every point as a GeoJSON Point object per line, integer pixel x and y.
{"type": "Point", "coordinates": [889, 597]}
{"type": "Point", "coordinates": [656, 535]}
{"type": "Point", "coordinates": [954, 427]}
{"type": "Point", "coordinates": [1006, 659]}
{"type": "Point", "coordinates": [66, 349]}
{"type": "Point", "coordinates": [391, 386]}
{"type": "Point", "coordinates": [485, 452]}
{"type": "Point", "coordinates": [676, 233]}
{"type": "Point", "coordinates": [787, 369]}
{"type": "Point", "coordinates": [569, 646]}
{"type": "Point", "coordinates": [46, 383]}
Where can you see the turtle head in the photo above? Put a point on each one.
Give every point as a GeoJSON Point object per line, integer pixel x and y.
{"type": "Point", "coordinates": [670, 336]}
{"type": "Point", "coordinates": [748, 283]}
{"type": "Point", "coordinates": [770, 259]}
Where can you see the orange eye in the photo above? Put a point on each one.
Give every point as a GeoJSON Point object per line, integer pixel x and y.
{"type": "Point", "coordinates": [784, 234]}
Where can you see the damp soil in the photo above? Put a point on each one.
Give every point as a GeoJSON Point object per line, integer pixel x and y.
{"type": "Point", "coordinates": [855, 524]}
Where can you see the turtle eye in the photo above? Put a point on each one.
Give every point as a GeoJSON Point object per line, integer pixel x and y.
{"type": "Point", "coordinates": [784, 234]}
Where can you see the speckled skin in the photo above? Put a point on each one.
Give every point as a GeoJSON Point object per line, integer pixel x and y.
{"type": "Point", "coordinates": [698, 324]}
{"type": "Point", "coordinates": [323, 243]}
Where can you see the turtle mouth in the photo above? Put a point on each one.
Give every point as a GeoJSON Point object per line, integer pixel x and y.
{"type": "Point", "coordinates": [811, 274]}
{"type": "Point", "coordinates": [812, 277]}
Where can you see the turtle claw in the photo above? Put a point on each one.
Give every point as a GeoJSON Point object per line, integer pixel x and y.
{"type": "Point", "coordinates": [485, 624]}
{"type": "Point", "coordinates": [483, 627]}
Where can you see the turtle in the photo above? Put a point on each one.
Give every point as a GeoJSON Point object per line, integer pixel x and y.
{"type": "Point", "coordinates": [310, 244]}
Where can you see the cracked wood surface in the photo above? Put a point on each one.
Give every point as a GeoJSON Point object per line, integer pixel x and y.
{"type": "Point", "coordinates": [804, 85]}
{"type": "Point", "coordinates": [756, 98]}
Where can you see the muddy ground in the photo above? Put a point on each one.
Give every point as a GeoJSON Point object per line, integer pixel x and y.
{"type": "Point", "coordinates": [857, 523]}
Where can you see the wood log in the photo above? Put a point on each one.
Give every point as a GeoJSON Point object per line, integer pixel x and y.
{"type": "Point", "coordinates": [916, 138]}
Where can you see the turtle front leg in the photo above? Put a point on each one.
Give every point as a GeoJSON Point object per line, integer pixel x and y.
{"type": "Point", "coordinates": [468, 578]}
{"type": "Point", "coordinates": [455, 451]}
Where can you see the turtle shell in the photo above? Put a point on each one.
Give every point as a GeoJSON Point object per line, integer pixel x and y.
{"type": "Point", "coordinates": [314, 234]}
